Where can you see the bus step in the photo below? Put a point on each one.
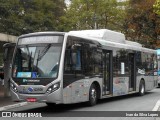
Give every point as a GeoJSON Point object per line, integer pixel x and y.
{"type": "Point", "coordinates": [107, 96]}
{"type": "Point", "coordinates": [131, 92]}
{"type": "Point", "coordinates": [105, 92]}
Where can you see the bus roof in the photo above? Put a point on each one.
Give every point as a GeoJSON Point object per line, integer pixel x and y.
{"type": "Point", "coordinates": [42, 33]}
{"type": "Point", "coordinates": [103, 34]}
{"type": "Point", "coordinates": [111, 39]}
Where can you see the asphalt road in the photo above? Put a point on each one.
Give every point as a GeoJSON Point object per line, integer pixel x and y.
{"type": "Point", "coordinates": [122, 103]}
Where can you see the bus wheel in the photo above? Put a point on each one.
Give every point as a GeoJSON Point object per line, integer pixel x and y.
{"type": "Point", "coordinates": [92, 95]}
{"type": "Point", "coordinates": [142, 88]}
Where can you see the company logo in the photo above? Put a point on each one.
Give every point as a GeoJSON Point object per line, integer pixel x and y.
{"type": "Point", "coordinates": [33, 80]}
{"type": "Point", "coordinates": [38, 89]}
{"type": "Point", "coordinates": [141, 71]}
{"type": "Point", "coordinates": [6, 114]}
{"type": "Point", "coordinates": [25, 80]}
{"type": "Point", "coordinates": [30, 89]}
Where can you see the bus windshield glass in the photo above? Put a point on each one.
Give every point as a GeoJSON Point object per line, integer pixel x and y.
{"type": "Point", "coordinates": [37, 60]}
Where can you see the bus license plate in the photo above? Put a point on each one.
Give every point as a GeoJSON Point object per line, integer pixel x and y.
{"type": "Point", "coordinates": [31, 99]}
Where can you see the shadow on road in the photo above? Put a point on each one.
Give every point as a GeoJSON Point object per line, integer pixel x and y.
{"type": "Point", "coordinates": [65, 108]}
{"type": "Point", "coordinates": [116, 98]}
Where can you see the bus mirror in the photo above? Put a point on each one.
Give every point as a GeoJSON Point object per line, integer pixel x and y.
{"type": "Point", "coordinates": [5, 54]}
{"type": "Point", "coordinates": [74, 58]}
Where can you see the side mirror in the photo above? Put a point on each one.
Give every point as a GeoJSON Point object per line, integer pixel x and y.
{"type": "Point", "coordinates": [5, 54]}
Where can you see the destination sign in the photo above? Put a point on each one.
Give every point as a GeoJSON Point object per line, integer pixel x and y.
{"type": "Point", "coordinates": [40, 39]}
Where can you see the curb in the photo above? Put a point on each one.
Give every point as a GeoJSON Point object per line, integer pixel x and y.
{"type": "Point", "coordinates": [157, 106]}
{"type": "Point", "coordinates": [13, 106]}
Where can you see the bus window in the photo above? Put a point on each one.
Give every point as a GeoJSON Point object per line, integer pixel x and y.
{"type": "Point", "coordinates": [73, 58]}
{"type": "Point", "coordinates": [92, 60]}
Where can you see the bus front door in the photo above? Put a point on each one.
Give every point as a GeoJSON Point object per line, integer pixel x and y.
{"type": "Point", "coordinates": [107, 72]}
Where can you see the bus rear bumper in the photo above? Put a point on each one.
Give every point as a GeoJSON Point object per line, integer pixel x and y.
{"type": "Point", "coordinates": [54, 97]}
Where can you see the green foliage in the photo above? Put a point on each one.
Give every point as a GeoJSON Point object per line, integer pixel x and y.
{"type": "Point", "coordinates": [83, 14]}
{"type": "Point", "coordinates": [142, 24]}
{"type": "Point", "coordinates": [24, 16]}
{"type": "Point", "coordinates": [157, 7]}
{"type": "Point", "coordinates": [138, 19]}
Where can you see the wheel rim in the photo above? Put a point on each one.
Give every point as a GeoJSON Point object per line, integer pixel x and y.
{"type": "Point", "coordinates": [93, 94]}
{"type": "Point", "coordinates": [142, 89]}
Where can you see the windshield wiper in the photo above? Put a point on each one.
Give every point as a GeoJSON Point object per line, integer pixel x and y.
{"type": "Point", "coordinates": [44, 51]}
{"type": "Point", "coordinates": [29, 56]}
{"type": "Point", "coordinates": [37, 60]}
{"type": "Point", "coordinates": [41, 54]}
{"type": "Point", "coordinates": [30, 62]}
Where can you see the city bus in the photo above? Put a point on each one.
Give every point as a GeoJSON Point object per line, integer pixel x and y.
{"type": "Point", "coordinates": [80, 66]}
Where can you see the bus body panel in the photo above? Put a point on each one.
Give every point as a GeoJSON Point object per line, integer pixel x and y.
{"type": "Point", "coordinates": [79, 91]}
{"type": "Point", "coordinates": [149, 83]}
{"type": "Point", "coordinates": [120, 86]}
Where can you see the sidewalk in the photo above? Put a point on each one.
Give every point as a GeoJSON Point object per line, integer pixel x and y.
{"type": "Point", "coordinates": [7, 103]}
{"type": "Point", "coordinates": [4, 100]}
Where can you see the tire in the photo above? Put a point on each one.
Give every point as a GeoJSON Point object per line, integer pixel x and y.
{"type": "Point", "coordinates": [93, 95]}
{"type": "Point", "coordinates": [141, 88]}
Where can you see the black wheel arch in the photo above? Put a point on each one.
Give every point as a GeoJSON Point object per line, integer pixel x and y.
{"type": "Point", "coordinates": [98, 88]}
{"type": "Point", "coordinates": [141, 82]}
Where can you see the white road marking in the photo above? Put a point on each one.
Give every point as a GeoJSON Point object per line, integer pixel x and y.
{"type": "Point", "coordinates": [157, 105]}
{"type": "Point", "coordinates": [13, 106]}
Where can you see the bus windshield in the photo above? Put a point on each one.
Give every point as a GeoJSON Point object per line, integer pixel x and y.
{"type": "Point", "coordinates": [37, 61]}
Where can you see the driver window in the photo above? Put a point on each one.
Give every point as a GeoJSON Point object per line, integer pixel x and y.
{"type": "Point", "coordinates": [73, 55]}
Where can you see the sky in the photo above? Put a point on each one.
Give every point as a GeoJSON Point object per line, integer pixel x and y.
{"type": "Point", "coordinates": [67, 1]}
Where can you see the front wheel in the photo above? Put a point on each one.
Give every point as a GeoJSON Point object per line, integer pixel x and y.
{"type": "Point", "coordinates": [142, 88]}
{"type": "Point", "coordinates": [92, 95]}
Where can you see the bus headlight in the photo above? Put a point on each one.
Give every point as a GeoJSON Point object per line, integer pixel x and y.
{"type": "Point", "coordinates": [53, 88]}
{"type": "Point", "coordinates": [13, 87]}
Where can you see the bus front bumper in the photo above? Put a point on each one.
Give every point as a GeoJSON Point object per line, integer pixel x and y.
{"type": "Point", "coordinates": [54, 97]}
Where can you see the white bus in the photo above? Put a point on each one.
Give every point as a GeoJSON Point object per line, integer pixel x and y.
{"type": "Point", "coordinates": [80, 66]}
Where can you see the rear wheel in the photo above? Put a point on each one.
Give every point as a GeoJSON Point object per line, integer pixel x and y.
{"type": "Point", "coordinates": [142, 88]}
{"type": "Point", "coordinates": [93, 96]}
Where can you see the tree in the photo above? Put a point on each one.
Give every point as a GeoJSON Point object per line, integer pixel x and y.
{"type": "Point", "coordinates": [90, 14]}
{"type": "Point", "coordinates": [24, 16]}
{"type": "Point", "coordinates": [142, 24]}
{"type": "Point", "coordinates": [157, 7]}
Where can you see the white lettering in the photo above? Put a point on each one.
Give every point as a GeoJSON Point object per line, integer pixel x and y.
{"type": "Point", "coordinates": [128, 114]}
{"type": "Point", "coordinates": [142, 115]}
{"type": "Point", "coordinates": [141, 71]}
{"type": "Point", "coordinates": [153, 115]}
